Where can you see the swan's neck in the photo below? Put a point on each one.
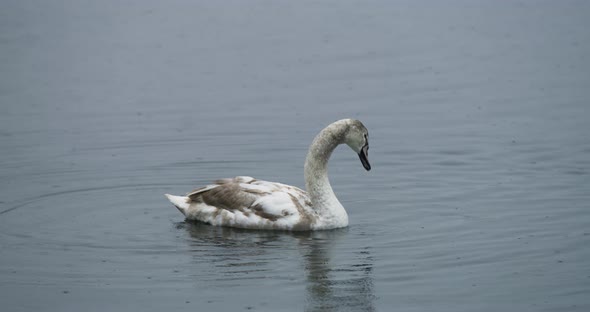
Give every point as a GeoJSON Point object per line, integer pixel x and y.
{"type": "Point", "coordinates": [324, 201]}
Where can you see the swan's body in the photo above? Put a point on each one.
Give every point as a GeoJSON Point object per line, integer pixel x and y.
{"type": "Point", "coordinates": [245, 202]}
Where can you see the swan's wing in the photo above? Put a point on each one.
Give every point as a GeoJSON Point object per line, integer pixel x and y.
{"type": "Point", "coordinates": [247, 202]}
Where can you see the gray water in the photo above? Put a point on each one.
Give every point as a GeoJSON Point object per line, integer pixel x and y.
{"type": "Point", "coordinates": [479, 120]}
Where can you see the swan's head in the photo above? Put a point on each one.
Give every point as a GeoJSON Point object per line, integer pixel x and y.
{"type": "Point", "coordinates": [357, 137]}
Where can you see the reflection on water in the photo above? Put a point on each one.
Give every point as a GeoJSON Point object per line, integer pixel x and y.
{"type": "Point", "coordinates": [327, 290]}
{"type": "Point", "coordinates": [247, 254]}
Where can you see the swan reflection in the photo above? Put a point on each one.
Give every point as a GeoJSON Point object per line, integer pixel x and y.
{"type": "Point", "coordinates": [335, 284]}
{"type": "Point", "coordinates": [336, 277]}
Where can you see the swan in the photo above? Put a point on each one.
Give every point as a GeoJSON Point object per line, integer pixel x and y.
{"type": "Point", "coordinates": [245, 202]}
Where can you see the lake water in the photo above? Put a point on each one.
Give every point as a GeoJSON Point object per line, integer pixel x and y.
{"type": "Point", "coordinates": [479, 119]}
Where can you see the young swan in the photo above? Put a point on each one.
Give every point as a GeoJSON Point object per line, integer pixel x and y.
{"type": "Point", "coordinates": [245, 202]}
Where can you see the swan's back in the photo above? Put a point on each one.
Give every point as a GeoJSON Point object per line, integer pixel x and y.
{"type": "Point", "coordinates": [248, 203]}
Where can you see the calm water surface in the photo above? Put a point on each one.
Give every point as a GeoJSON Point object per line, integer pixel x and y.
{"type": "Point", "coordinates": [479, 119]}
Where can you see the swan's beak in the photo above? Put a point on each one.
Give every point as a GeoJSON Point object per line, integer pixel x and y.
{"type": "Point", "coordinates": [364, 156]}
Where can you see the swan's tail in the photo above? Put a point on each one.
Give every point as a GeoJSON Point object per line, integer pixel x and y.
{"type": "Point", "coordinates": [181, 202]}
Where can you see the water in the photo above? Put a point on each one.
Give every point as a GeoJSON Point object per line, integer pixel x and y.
{"type": "Point", "coordinates": [478, 118]}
